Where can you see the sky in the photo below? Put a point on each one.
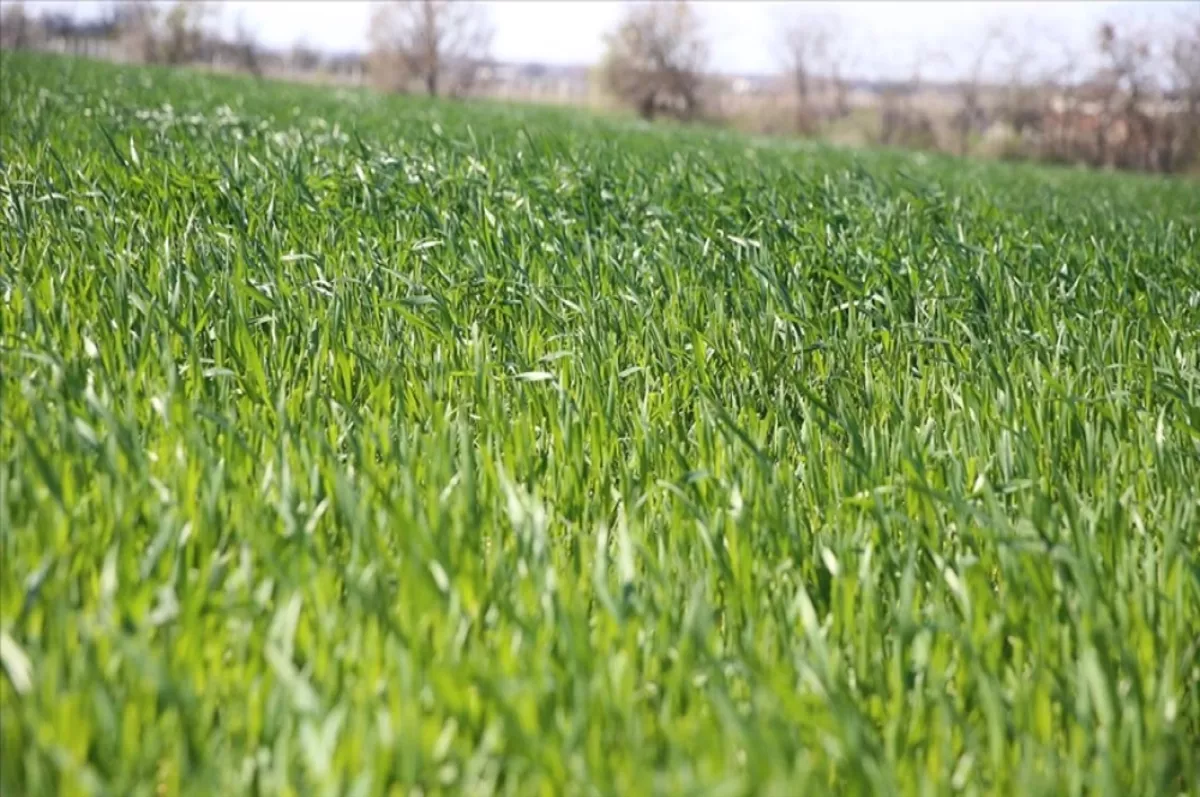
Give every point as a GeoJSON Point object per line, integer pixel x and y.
{"type": "Point", "coordinates": [885, 37]}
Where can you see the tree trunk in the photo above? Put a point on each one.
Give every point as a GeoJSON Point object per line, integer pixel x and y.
{"type": "Point", "coordinates": [646, 107]}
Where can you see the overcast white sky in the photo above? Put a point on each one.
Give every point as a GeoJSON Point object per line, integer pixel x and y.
{"type": "Point", "coordinates": [887, 35]}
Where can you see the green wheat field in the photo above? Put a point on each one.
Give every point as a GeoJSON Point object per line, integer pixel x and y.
{"type": "Point", "coordinates": [364, 445]}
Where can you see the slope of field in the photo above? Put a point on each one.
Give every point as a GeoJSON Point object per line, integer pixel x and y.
{"type": "Point", "coordinates": [363, 445]}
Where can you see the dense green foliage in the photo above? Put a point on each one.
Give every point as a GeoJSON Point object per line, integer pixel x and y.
{"type": "Point", "coordinates": [354, 444]}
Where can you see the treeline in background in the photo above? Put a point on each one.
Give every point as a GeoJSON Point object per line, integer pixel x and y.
{"type": "Point", "coordinates": [1129, 100]}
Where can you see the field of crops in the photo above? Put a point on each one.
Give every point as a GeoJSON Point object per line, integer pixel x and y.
{"type": "Point", "coordinates": [363, 445]}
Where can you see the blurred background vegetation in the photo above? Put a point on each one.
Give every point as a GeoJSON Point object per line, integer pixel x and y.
{"type": "Point", "coordinates": [1128, 99]}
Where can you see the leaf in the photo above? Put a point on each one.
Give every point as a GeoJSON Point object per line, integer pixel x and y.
{"type": "Point", "coordinates": [16, 664]}
{"type": "Point", "coordinates": [534, 376]}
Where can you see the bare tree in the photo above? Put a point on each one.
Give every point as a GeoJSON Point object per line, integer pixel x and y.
{"type": "Point", "coordinates": [303, 57]}
{"type": "Point", "coordinates": [16, 27]}
{"type": "Point", "coordinates": [655, 60]}
{"type": "Point", "coordinates": [1185, 87]}
{"type": "Point", "coordinates": [1063, 119]}
{"type": "Point", "coordinates": [1128, 81]}
{"type": "Point", "coordinates": [970, 116]}
{"type": "Point", "coordinates": [175, 38]}
{"type": "Point", "coordinates": [1185, 64]}
{"type": "Point", "coordinates": [1023, 90]}
{"type": "Point", "coordinates": [183, 31]}
{"type": "Point", "coordinates": [137, 26]}
{"type": "Point", "coordinates": [841, 57]}
{"type": "Point", "coordinates": [901, 122]}
{"type": "Point", "coordinates": [438, 44]}
{"type": "Point", "coordinates": [804, 42]}
{"type": "Point", "coordinates": [815, 53]}
{"type": "Point", "coordinates": [245, 49]}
